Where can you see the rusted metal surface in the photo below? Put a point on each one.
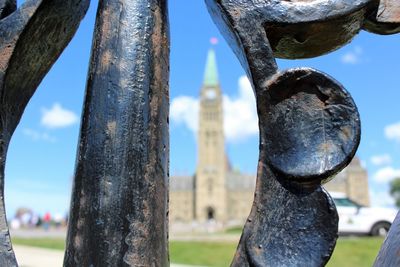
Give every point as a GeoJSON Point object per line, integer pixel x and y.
{"type": "Point", "coordinates": [7, 7]}
{"type": "Point", "coordinates": [389, 11]}
{"type": "Point", "coordinates": [120, 195]}
{"type": "Point", "coordinates": [389, 254]}
{"type": "Point", "coordinates": [383, 17]}
{"type": "Point", "coordinates": [31, 39]}
{"type": "Point", "coordinates": [309, 124]}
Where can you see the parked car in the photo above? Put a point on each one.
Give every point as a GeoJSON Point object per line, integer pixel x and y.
{"type": "Point", "coordinates": [358, 219]}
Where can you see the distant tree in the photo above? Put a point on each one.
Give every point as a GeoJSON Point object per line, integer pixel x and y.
{"type": "Point", "coordinates": [395, 190]}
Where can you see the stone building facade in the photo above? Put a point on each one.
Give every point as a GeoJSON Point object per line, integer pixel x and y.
{"type": "Point", "coordinates": [352, 181]}
{"type": "Point", "coordinates": [218, 193]}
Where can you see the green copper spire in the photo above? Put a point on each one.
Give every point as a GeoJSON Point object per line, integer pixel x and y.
{"type": "Point", "coordinates": [211, 72]}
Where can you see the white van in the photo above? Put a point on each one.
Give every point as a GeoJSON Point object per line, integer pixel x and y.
{"type": "Point", "coordinates": [357, 219]}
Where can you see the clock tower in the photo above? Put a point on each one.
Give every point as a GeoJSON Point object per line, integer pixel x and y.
{"type": "Point", "coordinates": [210, 188]}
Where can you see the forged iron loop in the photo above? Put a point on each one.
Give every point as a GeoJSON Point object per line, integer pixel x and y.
{"type": "Point", "coordinates": [309, 124]}
{"type": "Point", "coordinates": [32, 37]}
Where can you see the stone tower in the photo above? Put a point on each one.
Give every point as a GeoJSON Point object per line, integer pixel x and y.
{"type": "Point", "coordinates": [357, 182]}
{"type": "Point", "coordinates": [352, 181]}
{"type": "Point", "coordinates": [210, 189]}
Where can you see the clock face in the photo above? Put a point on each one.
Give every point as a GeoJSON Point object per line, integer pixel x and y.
{"type": "Point", "coordinates": [211, 94]}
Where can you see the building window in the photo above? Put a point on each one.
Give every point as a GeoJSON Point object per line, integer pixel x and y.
{"type": "Point", "coordinates": [210, 186]}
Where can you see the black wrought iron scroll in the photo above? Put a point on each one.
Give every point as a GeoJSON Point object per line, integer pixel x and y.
{"type": "Point", "coordinates": [309, 124]}
{"type": "Point", "coordinates": [31, 39]}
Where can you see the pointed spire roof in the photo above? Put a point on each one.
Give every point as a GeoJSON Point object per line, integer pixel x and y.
{"type": "Point", "coordinates": [211, 71]}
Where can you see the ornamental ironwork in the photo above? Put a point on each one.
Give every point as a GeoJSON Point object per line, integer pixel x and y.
{"type": "Point", "coordinates": [309, 124]}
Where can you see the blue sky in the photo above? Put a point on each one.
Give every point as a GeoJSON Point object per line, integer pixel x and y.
{"type": "Point", "coordinates": [41, 157]}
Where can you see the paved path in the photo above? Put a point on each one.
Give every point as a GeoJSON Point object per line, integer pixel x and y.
{"type": "Point", "coordinates": [39, 233]}
{"type": "Point", "coordinates": [39, 257]}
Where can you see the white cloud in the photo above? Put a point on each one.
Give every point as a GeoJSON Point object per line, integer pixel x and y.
{"type": "Point", "coordinates": [185, 110]}
{"type": "Point", "coordinates": [352, 57]}
{"type": "Point", "coordinates": [381, 199]}
{"type": "Point", "coordinates": [380, 160]}
{"type": "Point", "coordinates": [240, 116]}
{"type": "Point", "coordinates": [386, 174]}
{"type": "Point", "coordinates": [58, 117]}
{"type": "Point", "coordinates": [38, 136]}
{"type": "Point", "coordinates": [392, 132]}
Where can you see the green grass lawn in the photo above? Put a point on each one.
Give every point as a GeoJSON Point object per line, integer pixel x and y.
{"type": "Point", "coordinates": [51, 243]}
{"type": "Point", "coordinates": [357, 252]}
{"type": "Point", "coordinates": [349, 252]}
{"type": "Point", "coordinates": [202, 253]}
{"type": "Point", "coordinates": [234, 230]}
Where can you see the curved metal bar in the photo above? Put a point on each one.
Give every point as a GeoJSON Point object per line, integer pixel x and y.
{"type": "Point", "coordinates": [31, 39]}
{"type": "Point", "coordinates": [247, 39]}
{"type": "Point", "coordinates": [309, 131]}
{"type": "Point", "coordinates": [120, 194]}
{"type": "Point", "coordinates": [299, 28]}
{"type": "Point", "coordinates": [294, 11]}
{"type": "Point", "coordinates": [383, 17]}
{"type": "Point", "coordinates": [7, 7]}
{"type": "Point", "coordinates": [389, 254]}
{"type": "Point", "coordinates": [287, 228]}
